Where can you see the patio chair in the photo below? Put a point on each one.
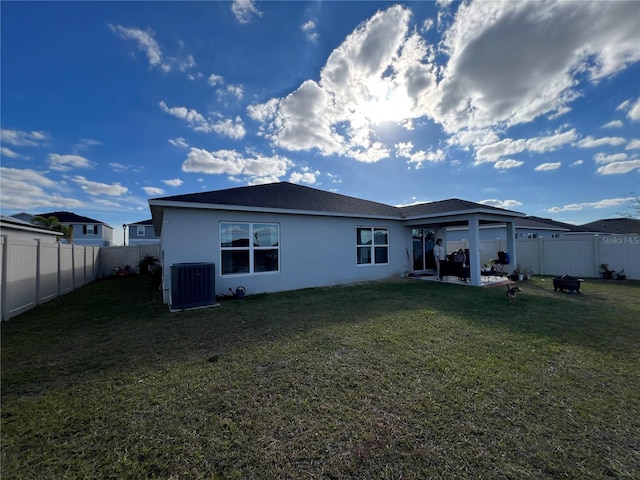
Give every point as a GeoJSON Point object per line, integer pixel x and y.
{"type": "Point", "coordinates": [502, 261]}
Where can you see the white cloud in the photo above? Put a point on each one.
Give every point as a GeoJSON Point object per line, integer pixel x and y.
{"type": "Point", "coordinates": [19, 138]}
{"type": "Point", "coordinates": [613, 124]}
{"type": "Point", "coordinates": [97, 188]}
{"type": "Point", "coordinates": [146, 42]}
{"type": "Point", "coordinates": [179, 142]}
{"type": "Point", "coordinates": [65, 163]}
{"type": "Point", "coordinates": [604, 158]}
{"type": "Point", "coordinates": [577, 163]}
{"type": "Point", "coordinates": [233, 90]}
{"type": "Point", "coordinates": [506, 164]}
{"type": "Point", "coordinates": [256, 167]}
{"type": "Point", "coordinates": [245, 10]}
{"type": "Point", "coordinates": [26, 189]}
{"type": "Point", "coordinates": [606, 203]}
{"type": "Point", "coordinates": [309, 28]}
{"type": "Point", "coordinates": [174, 182]}
{"type": "Point", "coordinates": [405, 149]}
{"type": "Point", "coordinates": [548, 166]}
{"type": "Point", "coordinates": [511, 62]}
{"type": "Point", "coordinates": [215, 80]}
{"type": "Point", "coordinates": [624, 105]}
{"type": "Point", "coordinates": [7, 152]}
{"type": "Point", "coordinates": [591, 142]}
{"type": "Point", "coordinates": [507, 147]}
{"type": "Point", "coordinates": [153, 191]}
{"type": "Point", "coordinates": [119, 167]}
{"type": "Point", "coordinates": [634, 111]}
{"type": "Point", "coordinates": [618, 168]}
{"type": "Point", "coordinates": [494, 202]}
{"type": "Point", "coordinates": [376, 75]}
{"type": "Point", "coordinates": [305, 176]}
{"type": "Point", "coordinates": [187, 63]}
{"type": "Point", "coordinates": [228, 127]}
{"type": "Point", "coordinates": [633, 144]}
{"type": "Point", "coordinates": [264, 112]}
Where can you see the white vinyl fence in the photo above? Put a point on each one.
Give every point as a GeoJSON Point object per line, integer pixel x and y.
{"type": "Point", "coordinates": [121, 256]}
{"type": "Point", "coordinates": [581, 256]}
{"type": "Point", "coordinates": [34, 272]}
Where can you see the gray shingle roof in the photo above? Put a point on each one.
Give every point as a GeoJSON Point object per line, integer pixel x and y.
{"type": "Point", "coordinates": [69, 217]}
{"type": "Point", "coordinates": [628, 226]}
{"type": "Point", "coordinates": [287, 196]}
{"type": "Point", "coordinates": [452, 205]}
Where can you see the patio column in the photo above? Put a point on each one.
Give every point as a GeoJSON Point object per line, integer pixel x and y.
{"type": "Point", "coordinates": [474, 251]}
{"type": "Point", "coordinates": [511, 245]}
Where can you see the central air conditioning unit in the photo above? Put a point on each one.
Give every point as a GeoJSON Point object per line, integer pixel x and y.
{"type": "Point", "coordinates": [193, 285]}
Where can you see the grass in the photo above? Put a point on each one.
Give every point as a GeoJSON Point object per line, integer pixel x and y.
{"type": "Point", "coordinates": [397, 379]}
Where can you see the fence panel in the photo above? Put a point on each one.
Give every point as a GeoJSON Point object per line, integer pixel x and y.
{"type": "Point", "coordinates": [581, 256]}
{"type": "Point", "coordinates": [621, 252]}
{"type": "Point", "coordinates": [34, 272]}
{"type": "Point", "coordinates": [19, 276]}
{"type": "Point", "coordinates": [78, 265]}
{"type": "Point", "coordinates": [48, 287]}
{"type": "Point", "coordinates": [66, 269]}
{"type": "Point", "coordinates": [118, 256]}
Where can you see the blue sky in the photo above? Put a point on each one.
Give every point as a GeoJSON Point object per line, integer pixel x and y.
{"type": "Point", "coordinates": [531, 106]}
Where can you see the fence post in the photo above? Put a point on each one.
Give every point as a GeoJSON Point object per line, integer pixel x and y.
{"type": "Point", "coordinates": [59, 268]}
{"type": "Point", "coordinates": [540, 250]}
{"type": "Point", "coordinates": [597, 245]}
{"type": "Point", "coordinates": [38, 271]}
{"type": "Point", "coordinates": [3, 294]}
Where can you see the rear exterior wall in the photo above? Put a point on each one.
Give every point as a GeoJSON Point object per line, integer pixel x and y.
{"type": "Point", "coordinates": [314, 250]}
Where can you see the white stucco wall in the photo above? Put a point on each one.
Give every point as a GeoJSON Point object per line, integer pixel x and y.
{"type": "Point", "coordinates": [314, 250]}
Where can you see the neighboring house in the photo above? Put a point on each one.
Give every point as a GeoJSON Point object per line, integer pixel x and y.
{"type": "Point", "coordinates": [142, 233]}
{"type": "Point", "coordinates": [284, 236]}
{"type": "Point", "coordinates": [526, 227]}
{"type": "Point", "coordinates": [86, 231]}
{"type": "Point", "coordinates": [624, 226]}
{"type": "Point", "coordinates": [16, 228]}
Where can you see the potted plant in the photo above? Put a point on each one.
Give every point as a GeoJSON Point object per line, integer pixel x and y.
{"type": "Point", "coordinates": [527, 273]}
{"type": "Point", "coordinates": [518, 273]}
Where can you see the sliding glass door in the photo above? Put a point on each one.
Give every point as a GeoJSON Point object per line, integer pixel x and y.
{"type": "Point", "coordinates": [423, 242]}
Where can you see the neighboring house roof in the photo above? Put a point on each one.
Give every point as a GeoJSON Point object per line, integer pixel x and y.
{"type": "Point", "coordinates": [143, 222]}
{"type": "Point", "coordinates": [285, 196]}
{"type": "Point", "coordinates": [17, 224]}
{"type": "Point", "coordinates": [70, 217]}
{"type": "Point", "coordinates": [629, 226]}
{"type": "Point", "coordinates": [23, 216]}
{"type": "Point", "coordinates": [531, 221]}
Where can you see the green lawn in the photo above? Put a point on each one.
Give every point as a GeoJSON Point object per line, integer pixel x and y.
{"type": "Point", "coordinates": [397, 379]}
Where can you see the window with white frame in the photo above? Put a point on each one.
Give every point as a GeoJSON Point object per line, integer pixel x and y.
{"type": "Point", "coordinates": [90, 229]}
{"type": "Point", "coordinates": [140, 231]}
{"type": "Point", "coordinates": [249, 247]}
{"type": "Point", "coordinates": [372, 245]}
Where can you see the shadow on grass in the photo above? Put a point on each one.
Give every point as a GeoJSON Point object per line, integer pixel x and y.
{"type": "Point", "coordinates": [121, 325]}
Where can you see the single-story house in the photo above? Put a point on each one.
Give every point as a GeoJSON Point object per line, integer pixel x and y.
{"type": "Point", "coordinates": [142, 233]}
{"type": "Point", "coordinates": [284, 236]}
{"type": "Point", "coordinates": [19, 229]}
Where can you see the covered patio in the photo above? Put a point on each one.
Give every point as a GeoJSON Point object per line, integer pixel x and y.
{"type": "Point", "coordinates": [429, 221]}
